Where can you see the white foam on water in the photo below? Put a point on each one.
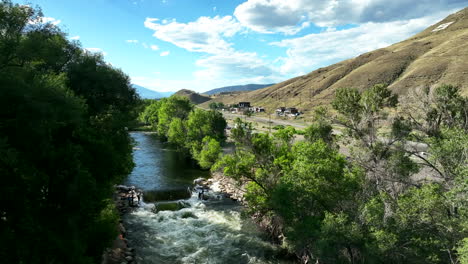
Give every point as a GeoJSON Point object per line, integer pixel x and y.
{"type": "Point", "coordinates": [203, 233]}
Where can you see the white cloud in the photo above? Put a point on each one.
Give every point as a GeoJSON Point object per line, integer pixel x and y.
{"type": "Point", "coordinates": [164, 53]}
{"type": "Point", "coordinates": [222, 65]}
{"type": "Point", "coordinates": [309, 52]}
{"type": "Point", "coordinates": [218, 70]}
{"type": "Point", "coordinates": [232, 65]}
{"type": "Point", "coordinates": [289, 16]}
{"type": "Point", "coordinates": [96, 50]}
{"type": "Point", "coordinates": [198, 85]}
{"type": "Point", "coordinates": [154, 47]}
{"type": "Point", "coordinates": [131, 41]}
{"type": "Point", "coordinates": [45, 20]}
{"type": "Point", "coordinates": [267, 16]}
{"type": "Point", "coordinates": [203, 35]}
{"type": "Point", "coordinates": [75, 38]}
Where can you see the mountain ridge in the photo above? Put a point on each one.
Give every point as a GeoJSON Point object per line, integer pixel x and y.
{"type": "Point", "coordinates": [427, 59]}
{"type": "Point", "coordinates": [146, 93]}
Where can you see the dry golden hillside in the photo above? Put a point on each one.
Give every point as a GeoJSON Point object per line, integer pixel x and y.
{"type": "Point", "coordinates": [429, 58]}
{"type": "Point", "coordinates": [194, 97]}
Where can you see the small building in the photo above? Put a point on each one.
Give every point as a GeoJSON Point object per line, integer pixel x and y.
{"type": "Point", "coordinates": [259, 109]}
{"type": "Point", "coordinates": [244, 104]}
{"type": "Point", "coordinates": [234, 110]}
{"type": "Point", "coordinates": [291, 110]}
{"type": "Point", "coordinates": [280, 110]}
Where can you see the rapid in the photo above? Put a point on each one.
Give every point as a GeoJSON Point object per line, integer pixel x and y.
{"type": "Point", "coordinates": [210, 230]}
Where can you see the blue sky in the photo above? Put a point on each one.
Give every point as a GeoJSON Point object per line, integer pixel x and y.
{"type": "Point", "coordinates": [167, 45]}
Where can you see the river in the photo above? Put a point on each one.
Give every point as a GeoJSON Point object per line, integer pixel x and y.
{"type": "Point", "coordinates": [209, 231]}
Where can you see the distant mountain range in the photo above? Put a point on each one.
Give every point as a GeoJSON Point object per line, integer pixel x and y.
{"type": "Point", "coordinates": [237, 88]}
{"type": "Point", "coordinates": [435, 56]}
{"type": "Point", "coordinates": [146, 93]}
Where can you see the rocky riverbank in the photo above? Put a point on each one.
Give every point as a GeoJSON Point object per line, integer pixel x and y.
{"type": "Point", "coordinates": [270, 225]}
{"type": "Point", "coordinates": [126, 199]}
{"type": "Point", "coordinates": [223, 184]}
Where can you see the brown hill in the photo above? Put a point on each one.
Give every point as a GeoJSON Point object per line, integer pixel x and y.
{"type": "Point", "coordinates": [194, 97]}
{"type": "Point", "coordinates": [429, 58]}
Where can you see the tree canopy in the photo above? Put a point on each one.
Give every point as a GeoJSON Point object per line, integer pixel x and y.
{"type": "Point", "coordinates": [63, 143]}
{"type": "Point", "coordinates": [400, 196]}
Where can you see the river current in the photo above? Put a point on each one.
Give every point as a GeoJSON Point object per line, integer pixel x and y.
{"type": "Point", "coordinates": [203, 231]}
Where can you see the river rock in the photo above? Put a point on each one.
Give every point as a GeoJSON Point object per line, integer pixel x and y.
{"type": "Point", "coordinates": [123, 188]}
{"type": "Point", "coordinates": [122, 229]}
{"type": "Point", "coordinates": [199, 180]}
{"type": "Point", "coordinates": [129, 258]}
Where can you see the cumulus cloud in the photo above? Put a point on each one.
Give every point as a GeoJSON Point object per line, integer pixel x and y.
{"type": "Point", "coordinates": [268, 16]}
{"type": "Point", "coordinates": [154, 47]}
{"type": "Point", "coordinates": [45, 20]}
{"type": "Point", "coordinates": [203, 35]}
{"type": "Point", "coordinates": [164, 53]}
{"type": "Point", "coordinates": [96, 50]}
{"type": "Point", "coordinates": [289, 16]}
{"type": "Point", "coordinates": [376, 24]}
{"type": "Point", "coordinates": [217, 71]}
{"type": "Point", "coordinates": [233, 65]}
{"type": "Point", "coordinates": [75, 38]}
{"type": "Point", "coordinates": [131, 41]}
{"type": "Point", "coordinates": [309, 52]}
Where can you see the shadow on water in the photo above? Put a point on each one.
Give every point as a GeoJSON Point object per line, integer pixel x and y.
{"type": "Point", "coordinates": [160, 168]}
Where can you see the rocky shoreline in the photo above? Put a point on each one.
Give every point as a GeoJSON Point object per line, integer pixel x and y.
{"type": "Point", "coordinates": [126, 199]}
{"type": "Point", "coordinates": [227, 186]}
{"type": "Point", "coordinates": [270, 225]}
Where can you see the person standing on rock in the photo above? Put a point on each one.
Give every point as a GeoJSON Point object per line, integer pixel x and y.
{"type": "Point", "coordinates": [200, 194]}
{"type": "Point", "coordinates": [138, 197]}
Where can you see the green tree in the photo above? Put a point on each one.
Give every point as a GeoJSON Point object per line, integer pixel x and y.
{"type": "Point", "coordinates": [203, 123]}
{"type": "Point", "coordinates": [177, 134]}
{"type": "Point", "coordinates": [213, 106]}
{"type": "Point", "coordinates": [62, 147]}
{"type": "Point", "coordinates": [172, 107]}
{"type": "Point", "coordinates": [209, 153]}
{"type": "Point", "coordinates": [318, 182]}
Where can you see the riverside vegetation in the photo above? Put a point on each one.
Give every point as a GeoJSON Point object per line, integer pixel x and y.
{"type": "Point", "coordinates": [63, 143]}
{"type": "Point", "coordinates": [371, 207]}
{"type": "Point", "coordinates": [195, 133]}
{"type": "Point", "coordinates": [387, 202]}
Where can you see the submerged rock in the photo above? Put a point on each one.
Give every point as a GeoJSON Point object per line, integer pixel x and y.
{"type": "Point", "coordinates": [170, 206]}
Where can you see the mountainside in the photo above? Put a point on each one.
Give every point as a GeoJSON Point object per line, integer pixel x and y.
{"type": "Point", "coordinates": [237, 88]}
{"type": "Point", "coordinates": [432, 57]}
{"type": "Point", "coordinates": [146, 93]}
{"type": "Point", "coordinates": [194, 97]}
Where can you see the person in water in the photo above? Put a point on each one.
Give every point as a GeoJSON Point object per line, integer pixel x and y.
{"type": "Point", "coordinates": [138, 197]}
{"type": "Point", "coordinates": [200, 194]}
